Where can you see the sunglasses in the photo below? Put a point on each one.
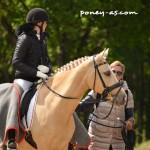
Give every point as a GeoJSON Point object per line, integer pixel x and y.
{"type": "Point", "coordinates": [118, 73]}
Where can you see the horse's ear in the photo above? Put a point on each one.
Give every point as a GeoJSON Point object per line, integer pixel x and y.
{"type": "Point", "coordinates": [105, 53]}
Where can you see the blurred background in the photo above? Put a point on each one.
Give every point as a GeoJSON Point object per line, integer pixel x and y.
{"type": "Point", "coordinates": [72, 35]}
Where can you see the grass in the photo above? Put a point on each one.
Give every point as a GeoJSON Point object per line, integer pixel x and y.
{"type": "Point", "coordinates": [143, 146]}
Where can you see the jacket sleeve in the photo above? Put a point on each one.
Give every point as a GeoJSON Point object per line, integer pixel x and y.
{"type": "Point", "coordinates": [19, 57]}
{"type": "Point", "coordinates": [46, 61]}
{"type": "Point", "coordinates": [129, 110]}
{"type": "Point", "coordinates": [129, 113]}
{"type": "Point", "coordinates": [86, 104]}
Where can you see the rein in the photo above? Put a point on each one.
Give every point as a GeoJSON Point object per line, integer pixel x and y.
{"type": "Point", "coordinates": [106, 89]}
{"type": "Point", "coordinates": [57, 94]}
{"type": "Point", "coordinates": [98, 122]}
{"type": "Point", "coordinates": [102, 117]}
{"type": "Point", "coordinates": [110, 109]}
{"type": "Point", "coordinates": [147, 139]}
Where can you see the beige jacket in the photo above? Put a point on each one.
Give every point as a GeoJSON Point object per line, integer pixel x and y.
{"type": "Point", "coordinates": [101, 135]}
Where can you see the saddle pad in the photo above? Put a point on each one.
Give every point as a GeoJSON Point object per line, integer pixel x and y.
{"type": "Point", "coordinates": [10, 94]}
{"type": "Point", "coordinates": [27, 121]}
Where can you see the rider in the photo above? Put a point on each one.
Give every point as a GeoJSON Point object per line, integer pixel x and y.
{"type": "Point", "coordinates": [30, 59]}
{"type": "Point", "coordinates": [103, 134]}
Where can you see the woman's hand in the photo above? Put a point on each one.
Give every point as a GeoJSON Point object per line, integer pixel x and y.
{"type": "Point", "coordinates": [129, 124]}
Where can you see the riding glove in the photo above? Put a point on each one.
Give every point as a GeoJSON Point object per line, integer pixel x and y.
{"type": "Point", "coordinates": [43, 69]}
{"type": "Point", "coordinates": [42, 75]}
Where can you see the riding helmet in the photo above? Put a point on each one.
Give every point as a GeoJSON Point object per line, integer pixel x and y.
{"type": "Point", "coordinates": [36, 15]}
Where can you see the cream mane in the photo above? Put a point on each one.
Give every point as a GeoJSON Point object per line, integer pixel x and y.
{"type": "Point", "coordinates": [72, 64]}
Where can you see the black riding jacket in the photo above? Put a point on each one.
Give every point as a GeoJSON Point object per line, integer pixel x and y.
{"type": "Point", "coordinates": [29, 53]}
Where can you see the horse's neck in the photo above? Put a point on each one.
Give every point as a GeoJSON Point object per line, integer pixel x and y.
{"type": "Point", "coordinates": [71, 83]}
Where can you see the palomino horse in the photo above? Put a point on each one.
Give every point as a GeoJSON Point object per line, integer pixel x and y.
{"type": "Point", "coordinates": [53, 123]}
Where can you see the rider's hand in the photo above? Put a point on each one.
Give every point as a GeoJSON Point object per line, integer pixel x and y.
{"type": "Point", "coordinates": [43, 69]}
{"type": "Point", "coordinates": [129, 124]}
{"type": "Point", "coordinates": [42, 75]}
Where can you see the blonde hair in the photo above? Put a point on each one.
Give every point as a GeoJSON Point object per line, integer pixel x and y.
{"type": "Point", "coordinates": [118, 63]}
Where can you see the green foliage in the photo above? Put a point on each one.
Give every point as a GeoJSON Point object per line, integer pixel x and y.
{"type": "Point", "coordinates": [73, 36]}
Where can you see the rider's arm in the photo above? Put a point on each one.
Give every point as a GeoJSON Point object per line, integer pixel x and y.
{"type": "Point", "coordinates": [87, 103]}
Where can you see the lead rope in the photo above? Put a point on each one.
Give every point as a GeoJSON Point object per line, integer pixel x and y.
{"type": "Point", "coordinates": [93, 114]}
{"type": "Point", "coordinates": [110, 109]}
{"type": "Point", "coordinates": [147, 139]}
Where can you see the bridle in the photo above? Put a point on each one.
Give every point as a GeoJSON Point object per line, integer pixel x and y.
{"type": "Point", "coordinates": [106, 89]}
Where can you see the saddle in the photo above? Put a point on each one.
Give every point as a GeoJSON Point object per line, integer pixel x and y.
{"type": "Point", "coordinates": [25, 102]}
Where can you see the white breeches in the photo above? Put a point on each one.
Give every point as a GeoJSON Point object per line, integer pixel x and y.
{"type": "Point", "coordinates": [24, 83]}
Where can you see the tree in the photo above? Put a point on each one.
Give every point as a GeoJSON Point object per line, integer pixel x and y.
{"type": "Point", "coordinates": [73, 36]}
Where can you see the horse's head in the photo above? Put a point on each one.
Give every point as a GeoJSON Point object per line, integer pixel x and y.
{"type": "Point", "coordinates": [102, 79]}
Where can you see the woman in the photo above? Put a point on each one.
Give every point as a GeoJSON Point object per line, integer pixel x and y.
{"type": "Point", "coordinates": [103, 131]}
{"type": "Point", "coordinates": [30, 59]}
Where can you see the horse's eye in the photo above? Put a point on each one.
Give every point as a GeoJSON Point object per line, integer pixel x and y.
{"type": "Point", "coordinates": [107, 73]}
